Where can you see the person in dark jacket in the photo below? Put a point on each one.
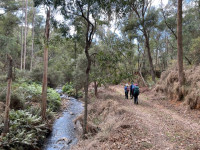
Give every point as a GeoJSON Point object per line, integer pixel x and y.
{"type": "Point", "coordinates": [126, 89]}
{"type": "Point", "coordinates": [131, 90]}
{"type": "Point", "coordinates": [136, 93]}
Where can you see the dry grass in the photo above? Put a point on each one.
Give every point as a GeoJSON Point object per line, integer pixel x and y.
{"type": "Point", "coordinates": [189, 93]}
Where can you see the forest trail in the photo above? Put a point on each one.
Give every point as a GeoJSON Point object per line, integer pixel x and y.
{"type": "Point", "coordinates": [167, 128]}
{"type": "Point", "coordinates": [155, 123]}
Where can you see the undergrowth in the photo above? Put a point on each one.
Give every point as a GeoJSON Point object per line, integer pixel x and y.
{"type": "Point", "coordinates": [69, 89]}
{"type": "Point", "coordinates": [26, 131]}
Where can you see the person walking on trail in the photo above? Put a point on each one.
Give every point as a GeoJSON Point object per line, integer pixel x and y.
{"type": "Point", "coordinates": [131, 90]}
{"type": "Point", "coordinates": [126, 89]}
{"type": "Point", "coordinates": [136, 93]}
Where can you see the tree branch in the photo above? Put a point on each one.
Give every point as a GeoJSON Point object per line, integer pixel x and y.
{"type": "Point", "coordinates": [168, 26]}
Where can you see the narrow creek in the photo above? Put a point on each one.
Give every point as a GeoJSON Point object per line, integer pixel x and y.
{"type": "Point", "coordinates": [63, 132]}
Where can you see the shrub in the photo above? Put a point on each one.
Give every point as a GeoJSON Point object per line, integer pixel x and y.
{"type": "Point", "coordinates": [22, 75]}
{"type": "Point", "coordinates": [53, 100]}
{"type": "Point", "coordinates": [16, 101]}
{"type": "Point", "coordinates": [27, 93]}
{"type": "Point", "coordinates": [37, 74]}
{"type": "Point", "coordinates": [195, 51]}
{"type": "Point", "coordinates": [54, 77]}
{"type": "Point", "coordinates": [69, 89]}
{"type": "Point", "coordinates": [26, 131]}
{"type": "Point", "coordinates": [37, 112]}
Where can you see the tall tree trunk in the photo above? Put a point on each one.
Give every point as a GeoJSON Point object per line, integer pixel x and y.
{"type": "Point", "coordinates": [22, 49]}
{"type": "Point", "coordinates": [138, 56]}
{"type": "Point", "coordinates": [32, 47]}
{"type": "Point", "coordinates": [25, 34]}
{"type": "Point", "coordinates": [44, 83]}
{"type": "Point", "coordinates": [22, 37]}
{"type": "Point", "coordinates": [156, 58]}
{"type": "Point", "coordinates": [88, 40]}
{"type": "Point", "coordinates": [86, 85]}
{"type": "Point", "coordinates": [75, 51]}
{"type": "Point", "coordinates": [179, 44]}
{"type": "Point", "coordinates": [96, 88]}
{"type": "Point", "coordinates": [7, 109]}
{"type": "Point", "coordinates": [149, 55]}
{"type": "Point", "coordinates": [95, 82]}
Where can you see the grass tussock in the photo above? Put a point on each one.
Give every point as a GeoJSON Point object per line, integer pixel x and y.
{"type": "Point", "coordinates": [189, 92]}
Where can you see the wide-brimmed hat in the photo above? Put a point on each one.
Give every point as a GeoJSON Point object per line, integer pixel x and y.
{"type": "Point", "coordinates": [126, 84]}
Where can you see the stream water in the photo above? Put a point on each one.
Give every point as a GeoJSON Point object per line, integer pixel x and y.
{"type": "Point", "coordinates": [63, 133]}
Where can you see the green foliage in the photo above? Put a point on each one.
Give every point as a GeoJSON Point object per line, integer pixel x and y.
{"type": "Point", "coordinates": [26, 131]}
{"type": "Point", "coordinates": [55, 75]}
{"type": "Point", "coordinates": [24, 94]}
{"type": "Point", "coordinates": [53, 100]}
{"type": "Point", "coordinates": [68, 88]}
{"type": "Point", "coordinates": [195, 51]}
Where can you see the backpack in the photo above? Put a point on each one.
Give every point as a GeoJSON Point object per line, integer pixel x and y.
{"type": "Point", "coordinates": [136, 90]}
{"type": "Point", "coordinates": [127, 88]}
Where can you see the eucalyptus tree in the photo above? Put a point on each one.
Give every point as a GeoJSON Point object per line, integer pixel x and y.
{"type": "Point", "coordinates": [8, 25]}
{"type": "Point", "coordinates": [33, 35]}
{"type": "Point", "coordinates": [179, 44]}
{"type": "Point", "coordinates": [91, 12]}
{"type": "Point", "coordinates": [48, 5]}
{"type": "Point", "coordinates": [25, 33]}
{"type": "Point", "coordinates": [142, 18]}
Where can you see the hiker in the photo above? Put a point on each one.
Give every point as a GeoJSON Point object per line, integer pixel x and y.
{"type": "Point", "coordinates": [131, 90]}
{"type": "Point", "coordinates": [126, 89]}
{"type": "Point", "coordinates": [136, 93]}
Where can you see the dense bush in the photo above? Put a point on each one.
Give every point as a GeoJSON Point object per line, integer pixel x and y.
{"type": "Point", "coordinates": [53, 100]}
{"type": "Point", "coordinates": [32, 93]}
{"type": "Point", "coordinates": [22, 75]}
{"type": "Point", "coordinates": [26, 131]}
{"type": "Point", "coordinates": [195, 51]}
{"type": "Point", "coordinates": [24, 94]}
{"type": "Point", "coordinates": [54, 77]}
{"type": "Point", "coordinates": [69, 89]}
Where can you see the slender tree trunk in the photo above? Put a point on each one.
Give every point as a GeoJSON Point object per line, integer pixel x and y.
{"type": "Point", "coordinates": [75, 51]}
{"type": "Point", "coordinates": [88, 40]}
{"type": "Point", "coordinates": [25, 34]}
{"type": "Point", "coordinates": [95, 82]}
{"type": "Point", "coordinates": [44, 83]}
{"type": "Point", "coordinates": [149, 56]}
{"type": "Point", "coordinates": [22, 49]}
{"type": "Point", "coordinates": [179, 44]}
{"type": "Point", "coordinates": [22, 37]}
{"type": "Point", "coordinates": [96, 88]}
{"type": "Point", "coordinates": [144, 58]}
{"type": "Point", "coordinates": [32, 49]}
{"type": "Point", "coordinates": [86, 86]}
{"type": "Point", "coordinates": [7, 109]}
{"type": "Point", "coordinates": [138, 56]}
{"type": "Point", "coordinates": [156, 58]}
{"type": "Point", "coordinates": [140, 72]}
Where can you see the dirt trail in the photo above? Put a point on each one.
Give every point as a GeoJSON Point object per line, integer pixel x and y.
{"type": "Point", "coordinates": [153, 124]}
{"type": "Point", "coordinates": [169, 130]}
